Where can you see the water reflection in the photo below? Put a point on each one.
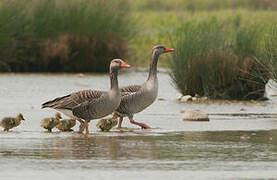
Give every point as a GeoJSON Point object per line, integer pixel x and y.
{"type": "Point", "coordinates": [98, 147]}
{"type": "Point", "coordinates": [199, 146]}
{"type": "Point", "coordinates": [230, 141]}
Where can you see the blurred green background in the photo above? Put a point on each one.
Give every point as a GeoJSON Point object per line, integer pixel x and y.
{"type": "Point", "coordinates": [219, 42]}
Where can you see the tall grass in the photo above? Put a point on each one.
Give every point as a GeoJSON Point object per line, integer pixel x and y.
{"type": "Point", "coordinates": [62, 35]}
{"type": "Point", "coordinates": [223, 59]}
{"type": "Point", "coordinates": [205, 5]}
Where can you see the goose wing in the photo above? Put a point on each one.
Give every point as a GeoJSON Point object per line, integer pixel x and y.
{"type": "Point", "coordinates": [128, 99]}
{"type": "Point", "coordinates": [131, 89]}
{"type": "Point", "coordinates": [87, 110]}
{"type": "Point", "coordinates": [72, 100]}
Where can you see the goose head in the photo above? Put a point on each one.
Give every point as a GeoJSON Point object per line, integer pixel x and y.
{"type": "Point", "coordinates": [162, 49]}
{"type": "Point", "coordinates": [117, 64]}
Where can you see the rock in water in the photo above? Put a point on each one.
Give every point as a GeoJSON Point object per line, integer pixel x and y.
{"type": "Point", "coordinates": [107, 124]}
{"type": "Point", "coordinates": [195, 115]}
{"type": "Point", "coordinates": [185, 98]}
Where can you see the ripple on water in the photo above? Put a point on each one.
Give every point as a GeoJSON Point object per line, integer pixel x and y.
{"type": "Point", "coordinates": [234, 144]}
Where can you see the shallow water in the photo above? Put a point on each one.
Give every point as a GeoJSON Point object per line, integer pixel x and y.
{"type": "Point", "coordinates": [234, 144]}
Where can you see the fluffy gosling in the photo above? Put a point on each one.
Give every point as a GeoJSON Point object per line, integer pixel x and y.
{"type": "Point", "coordinates": [9, 122]}
{"type": "Point", "coordinates": [50, 123]}
{"type": "Point", "coordinates": [107, 123]}
{"type": "Point", "coordinates": [66, 125]}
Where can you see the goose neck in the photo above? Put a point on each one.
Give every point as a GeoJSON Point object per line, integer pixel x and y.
{"type": "Point", "coordinates": [113, 79]}
{"type": "Point", "coordinates": [153, 65]}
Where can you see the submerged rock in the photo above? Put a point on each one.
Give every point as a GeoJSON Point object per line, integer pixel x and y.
{"type": "Point", "coordinates": [188, 98]}
{"type": "Point", "coordinates": [185, 98]}
{"type": "Point", "coordinates": [161, 99]}
{"type": "Point", "coordinates": [242, 109]}
{"type": "Point", "coordinates": [194, 115]}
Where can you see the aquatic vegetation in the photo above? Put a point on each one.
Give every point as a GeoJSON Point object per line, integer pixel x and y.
{"type": "Point", "coordinates": [223, 59]}
{"type": "Point", "coordinates": [156, 21]}
{"type": "Point", "coordinates": [204, 5]}
{"type": "Point", "coordinates": [62, 35]}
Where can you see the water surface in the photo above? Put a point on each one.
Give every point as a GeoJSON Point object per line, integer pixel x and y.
{"type": "Point", "coordinates": [239, 141]}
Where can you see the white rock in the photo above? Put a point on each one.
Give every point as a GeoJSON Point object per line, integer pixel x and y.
{"type": "Point", "coordinates": [185, 98]}
{"type": "Point", "coordinates": [195, 115]}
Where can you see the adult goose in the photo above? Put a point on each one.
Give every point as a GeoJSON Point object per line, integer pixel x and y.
{"type": "Point", "coordinates": [91, 104]}
{"type": "Point", "coordinates": [136, 98]}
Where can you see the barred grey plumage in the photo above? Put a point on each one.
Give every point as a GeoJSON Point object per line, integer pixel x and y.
{"type": "Point", "coordinates": [91, 104]}
{"type": "Point", "coordinates": [136, 98]}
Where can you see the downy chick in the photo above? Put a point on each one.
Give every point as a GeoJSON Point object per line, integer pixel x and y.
{"type": "Point", "coordinates": [9, 122]}
{"type": "Point", "coordinates": [66, 125]}
{"type": "Point", "coordinates": [107, 123]}
{"type": "Point", "coordinates": [50, 123]}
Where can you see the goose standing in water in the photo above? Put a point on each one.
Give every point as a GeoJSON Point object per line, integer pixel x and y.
{"type": "Point", "coordinates": [136, 98]}
{"type": "Point", "coordinates": [91, 104]}
{"type": "Point", "coordinates": [9, 122]}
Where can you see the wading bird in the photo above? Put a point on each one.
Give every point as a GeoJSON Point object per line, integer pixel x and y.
{"type": "Point", "coordinates": [9, 122]}
{"type": "Point", "coordinates": [136, 98]}
{"type": "Point", "coordinates": [91, 104]}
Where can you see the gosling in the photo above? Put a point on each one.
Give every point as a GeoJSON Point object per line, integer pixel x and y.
{"type": "Point", "coordinates": [9, 122]}
{"type": "Point", "coordinates": [107, 123]}
{"type": "Point", "coordinates": [66, 125]}
{"type": "Point", "coordinates": [50, 123]}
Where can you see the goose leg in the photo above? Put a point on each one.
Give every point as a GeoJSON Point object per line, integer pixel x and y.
{"type": "Point", "coordinates": [120, 122]}
{"type": "Point", "coordinates": [86, 126]}
{"type": "Point", "coordinates": [81, 127]}
{"type": "Point", "coordinates": [142, 125]}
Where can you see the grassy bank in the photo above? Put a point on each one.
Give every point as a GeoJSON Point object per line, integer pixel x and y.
{"type": "Point", "coordinates": [156, 21]}
{"type": "Point", "coordinates": [62, 35]}
{"type": "Point", "coordinates": [203, 5]}
{"type": "Point", "coordinates": [225, 49]}
{"type": "Point", "coordinates": [225, 57]}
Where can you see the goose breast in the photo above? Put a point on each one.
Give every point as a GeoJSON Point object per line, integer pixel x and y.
{"type": "Point", "coordinates": [134, 102]}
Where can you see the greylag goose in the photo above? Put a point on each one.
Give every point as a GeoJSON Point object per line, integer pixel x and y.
{"type": "Point", "coordinates": [91, 104]}
{"type": "Point", "coordinates": [107, 124]}
{"type": "Point", "coordinates": [50, 123]}
{"type": "Point", "coordinates": [9, 122]}
{"type": "Point", "coordinates": [66, 124]}
{"type": "Point", "coordinates": [136, 98]}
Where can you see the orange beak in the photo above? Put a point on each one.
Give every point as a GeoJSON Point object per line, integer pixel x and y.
{"type": "Point", "coordinates": [124, 65]}
{"type": "Point", "coordinates": [169, 49]}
